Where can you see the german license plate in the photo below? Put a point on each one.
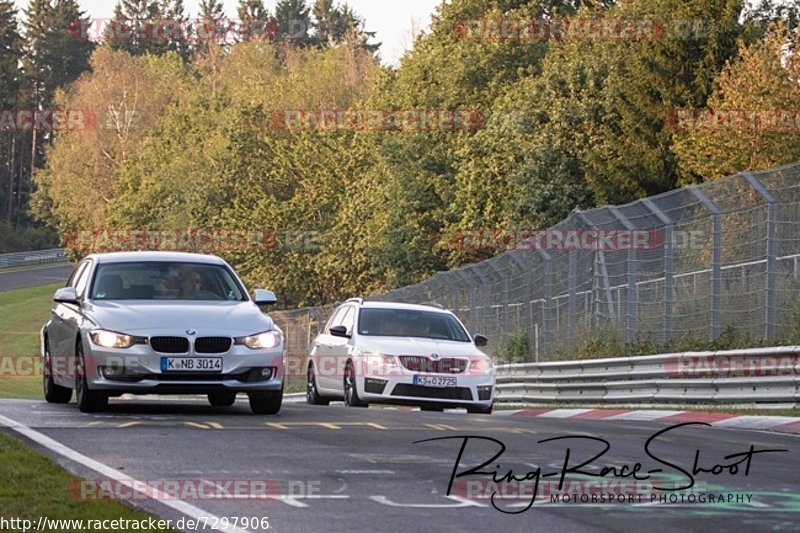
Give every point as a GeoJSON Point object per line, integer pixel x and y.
{"type": "Point", "coordinates": [191, 364]}
{"type": "Point", "coordinates": [432, 381]}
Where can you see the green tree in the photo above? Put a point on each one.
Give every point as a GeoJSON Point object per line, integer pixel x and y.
{"type": "Point", "coordinates": [135, 26]}
{"type": "Point", "coordinates": [424, 199]}
{"type": "Point", "coordinates": [334, 25]}
{"type": "Point", "coordinates": [10, 82]}
{"type": "Point", "coordinates": [631, 153]}
{"type": "Point", "coordinates": [762, 81]}
{"type": "Point", "coordinates": [214, 25]}
{"type": "Point", "coordinates": [176, 30]}
{"type": "Point", "coordinates": [255, 22]}
{"type": "Point", "coordinates": [129, 95]}
{"type": "Point", "coordinates": [53, 57]}
{"type": "Point", "coordinates": [294, 20]}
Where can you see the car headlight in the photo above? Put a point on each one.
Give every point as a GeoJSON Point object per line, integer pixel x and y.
{"type": "Point", "coordinates": [481, 365]}
{"type": "Point", "coordinates": [379, 360]}
{"type": "Point", "coordinates": [260, 341]}
{"type": "Point", "coordinates": [109, 339]}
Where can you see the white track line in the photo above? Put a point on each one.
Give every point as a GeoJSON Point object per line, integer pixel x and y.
{"type": "Point", "coordinates": [564, 413]}
{"type": "Point", "coordinates": [110, 473]}
{"type": "Point", "coordinates": [644, 415]}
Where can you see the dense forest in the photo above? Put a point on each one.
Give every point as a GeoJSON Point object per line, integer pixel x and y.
{"type": "Point", "coordinates": [189, 131]}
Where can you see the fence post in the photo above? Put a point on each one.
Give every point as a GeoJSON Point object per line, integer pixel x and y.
{"type": "Point", "coordinates": [771, 287]}
{"type": "Point", "coordinates": [526, 298]}
{"type": "Point", "coordinates": [484, 292]}
{"type": "Point", "coordinates": [573, 289]}
{"type": "Point", "coordinates": [632, 325]}
{"type": "Point", "coordinates": [716, 260]}
{"type": "Point", "coordinates": [669, 270]}
{"type": "Point", "coordinates": [502, 311]}
{"type": "Point", "coordinates": [548, 320]}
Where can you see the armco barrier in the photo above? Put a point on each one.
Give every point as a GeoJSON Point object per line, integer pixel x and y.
{"type": "Point", "coordinates": [32, 258]}
{"type": "Point", "coordinates": [764, 375]}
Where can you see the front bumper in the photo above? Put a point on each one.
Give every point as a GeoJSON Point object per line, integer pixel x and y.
{"type": "Point", "coordinates": [471, 390]}
{"type": "Point", "coordinates": [137, 370]}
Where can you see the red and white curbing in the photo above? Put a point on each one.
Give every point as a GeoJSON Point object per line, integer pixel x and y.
{"type": "Point", "coordinates": [778, 424]}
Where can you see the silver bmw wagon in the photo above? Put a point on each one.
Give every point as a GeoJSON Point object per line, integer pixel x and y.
{"type": "Point", "coordinates": [161, 323]}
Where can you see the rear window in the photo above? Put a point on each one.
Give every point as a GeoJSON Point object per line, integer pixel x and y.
{"type": "Point", "coordinates": [165, 281]}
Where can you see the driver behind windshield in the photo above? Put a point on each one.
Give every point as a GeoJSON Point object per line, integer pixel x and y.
{"type": "Point", "coordinates": [190, 283]}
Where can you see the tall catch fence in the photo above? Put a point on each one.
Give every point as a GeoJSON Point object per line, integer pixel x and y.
{"type": "Point", "coordinates": [702, 259]}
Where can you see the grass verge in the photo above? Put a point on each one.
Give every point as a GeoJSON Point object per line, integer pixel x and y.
{"type": "Point", "coordinates": [24, 311]}
{"type": "Point", "coordinates": [34, 486]}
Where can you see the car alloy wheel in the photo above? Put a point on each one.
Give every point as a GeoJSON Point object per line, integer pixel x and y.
{"type": "Point", "coordinates": [53, 393]}
{"type": "Point", "coordinates": [89, 401]}
{"type": "Point", "coordinates": [312, 394]}
{"type": "Point", "coordinates": [351, 398]}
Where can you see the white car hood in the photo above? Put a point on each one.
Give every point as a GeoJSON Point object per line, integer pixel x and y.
{"type": "Point", "coordinates": [160, 317]}
{"type": "Point", "coordinates": [417, 346]}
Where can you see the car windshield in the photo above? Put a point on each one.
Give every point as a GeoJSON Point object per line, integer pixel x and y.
{"type": "Point", "coordinates": [165, 281]}
{"type": "Point", "coordinates": [410, 323]}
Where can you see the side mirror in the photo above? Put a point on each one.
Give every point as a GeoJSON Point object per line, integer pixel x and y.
{"type": "Point", "coordinates": [481, 341]}
{"type": "Point", "coordinates": [264, 297]}
{"type": "Point", "coordinates": [339, 331]}
{"type": "Point", "coordinates": [66, 295]}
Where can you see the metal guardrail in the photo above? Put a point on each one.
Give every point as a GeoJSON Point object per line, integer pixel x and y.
{"type": "Point", "coordinates": [764, 375]}
{"type": "Point", "coordinates": [32, 258]}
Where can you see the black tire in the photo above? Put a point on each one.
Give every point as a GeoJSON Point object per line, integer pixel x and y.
{"type": "Point", "coordinates": [266, 403]}
{"type": "Point", "coordinates": [222, 399]}
{"type": "Point", "coordinates": [480, 410]}
{"type": "Point", "coordinates": [312, 393]}
{"type": "Point", "coordinates": [351, 398]}
{"type": "Point", "coordinates": [89, 401]}
{"type": "Point", "coordinates": [53, 393]}
{"type": "Point", "coordinates": [432, 408]}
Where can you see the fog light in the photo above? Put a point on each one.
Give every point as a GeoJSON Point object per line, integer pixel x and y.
{"type": "Point", "coordinates": [257, 375]}
{"type": "Point", "coordinates": [374, 386]}
{"type": "Point", "coordinates": [484, 393]}
{"type": "Point", "coordinates": [113, 371]}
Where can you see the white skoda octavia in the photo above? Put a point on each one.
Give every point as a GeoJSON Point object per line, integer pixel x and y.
{"type": "Point", "coordinates": [379, 352]}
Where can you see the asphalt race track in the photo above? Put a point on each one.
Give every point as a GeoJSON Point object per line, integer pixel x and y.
{"type": "Point", "coordinates": [342, 469]}
{"type": "Point", "coordinates": [35, 277]}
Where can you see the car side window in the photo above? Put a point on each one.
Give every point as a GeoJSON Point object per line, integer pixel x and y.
{"type": "Point", "coordinates": [73, 279]}
{"type": "Point", "coordinates": [348, 320]}
{"type": "Point", "coordinates": [335, 319]}
{"type": "Point", "coordinates": [83, 279]}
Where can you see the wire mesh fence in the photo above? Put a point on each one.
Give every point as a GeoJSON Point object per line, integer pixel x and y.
{"type": "Point", "coordinates": [684, 264]}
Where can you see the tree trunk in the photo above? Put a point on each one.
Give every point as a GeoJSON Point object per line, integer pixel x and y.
{"type": "Point", "coordinates": [11, 173]}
